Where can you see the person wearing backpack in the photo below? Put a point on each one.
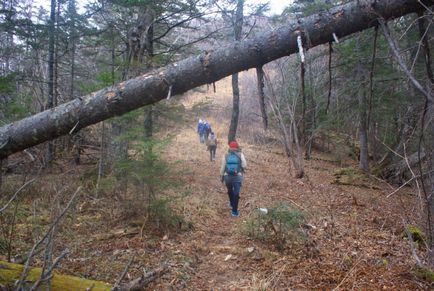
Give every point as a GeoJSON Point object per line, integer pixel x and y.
{"type": "Point", "coordinates": [206, 130]}
{"type": "Point", "coordinates": [212, 146]}
{"type": "Point", "coordinates": [231, 171]}
{"type": "Point", "coordinates": [201, 130]}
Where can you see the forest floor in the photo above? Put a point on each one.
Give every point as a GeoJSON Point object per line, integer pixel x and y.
{"type": "Point", "coordinates": [352, 239]}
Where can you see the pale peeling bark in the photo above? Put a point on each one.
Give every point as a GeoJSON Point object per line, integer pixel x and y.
{"type": "Point", "coordinates": [198, 70]}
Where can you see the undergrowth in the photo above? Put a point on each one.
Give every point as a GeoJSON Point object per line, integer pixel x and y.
{"type": "Point", "coordinates": [278, 225]}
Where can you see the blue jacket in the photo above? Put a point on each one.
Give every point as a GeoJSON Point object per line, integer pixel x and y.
{"type": "Point", "coordinates": [200, 127]}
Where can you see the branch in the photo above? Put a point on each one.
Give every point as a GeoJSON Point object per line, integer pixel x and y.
{"type": "Point", "coordinates": [176, 48]}
{"type": "Point", "coordinates": [204, 68]}
{"type": "Point", "coordinates": [48, 275]}
{"type": "Point", "coordinates": [124, 273]}
{"type": "Point", "coordinates": [15, 195]}
{"type": "Point", "coordinates": [144, 280]}
{"type": "Point", "coordinates": [413, 248]}
{"type": "Point", "coordinates": [401, 63]}
{"type": "Point", "coordinates": [19, 283]}
{"type": "Point", "coordinates": [170, 27]}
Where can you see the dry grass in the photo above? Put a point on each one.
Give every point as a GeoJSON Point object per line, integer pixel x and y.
{"type": "Point", "coordinates": [356, 242]}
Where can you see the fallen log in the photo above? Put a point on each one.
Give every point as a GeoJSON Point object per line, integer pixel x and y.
{"type": "Point", "coordinates": [10, 272]}
{"type": "Point", "coordinates": [399, 171]}
{"type": "Point", "coordinates": [205, 68]}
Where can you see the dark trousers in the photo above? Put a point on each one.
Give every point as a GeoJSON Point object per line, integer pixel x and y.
{"type": "Point", "coordinates": [212, 150]}
{"type": "Point", "coordinates": [233, 184]}
{"type": "Point", "coordinates": [202, 137]}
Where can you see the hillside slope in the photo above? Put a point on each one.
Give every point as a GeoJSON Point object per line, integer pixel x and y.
{"type": "Point", "coordinates": [350, 238]}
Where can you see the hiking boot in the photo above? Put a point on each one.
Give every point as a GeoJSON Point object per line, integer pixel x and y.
{"type": "Point", "coordinates": [235, 213]}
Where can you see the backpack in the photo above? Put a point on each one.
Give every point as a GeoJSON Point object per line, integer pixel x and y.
{"type": "Point", "coordinates": [207, 128]}
{"type": "Point", "coordinates": [233, 163]}
{"type": "Point", "coordinates": [212, 141]}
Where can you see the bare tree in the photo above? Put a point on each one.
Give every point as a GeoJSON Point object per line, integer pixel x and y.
{"type": "Point", "coordinates": [192, 72]}
{"type": "Point", "coordinates": [283, 111]}
{"type": "Point", "coordinates": [51, 52]}
{"type": "Point", "coordinates": [45, 275]}
{"type": "Point", "coordinates": [261, 96]}
{"type": "Point", "coordinates": [238, 27]}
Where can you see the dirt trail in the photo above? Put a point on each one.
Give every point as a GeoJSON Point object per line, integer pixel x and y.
{"type": "Point", "coordinates": [214, 239]}
{"type": "Point", "coordinates": [356, 241]}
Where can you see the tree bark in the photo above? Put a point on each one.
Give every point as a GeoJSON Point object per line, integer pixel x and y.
{"type": "Point", "coordinates": [235, 108]}
{"type": "Point", "coordinates": [363, 129]}
{"type": "Point", "coordinates": [303, 104]}
{"type": "Point", "coordinates": [329, 94]}
{"type": "Point", "coordinates": [50, 100]}
{"type": "Point", "coordinates": [198, 70]}
{"type": "Point", "coordinates": [363, 132]}
{"type": "Point", "coordinates": [261, 95]}
{"type": "Point", "coordinates": [1, 178]}
{"type": "Point", "coordinates": [10, 272]}
{"type": "Point", "coordinates": [238, 27]}
{"type": "Point", "coordinates": [428, 184]}
{"type": "Point", "coordinates": [148, 122]}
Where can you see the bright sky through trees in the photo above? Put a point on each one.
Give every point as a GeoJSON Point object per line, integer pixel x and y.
{"type": "Point", "coordinates": [276, 6]}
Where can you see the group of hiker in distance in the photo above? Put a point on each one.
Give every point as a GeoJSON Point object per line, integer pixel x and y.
{"type": "Point", "coordinates": [233, 163]}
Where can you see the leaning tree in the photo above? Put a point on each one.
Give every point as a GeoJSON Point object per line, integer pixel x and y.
{"type": "Point", "coordinates": [205, 68]}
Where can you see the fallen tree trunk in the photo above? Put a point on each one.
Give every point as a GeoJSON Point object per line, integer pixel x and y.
{"type": "Point", "coordinates": [205, 68]}
{"type": "Point", "coordinates": [398, 172]}
{"type": "Point", "coordinates": [10, 272]}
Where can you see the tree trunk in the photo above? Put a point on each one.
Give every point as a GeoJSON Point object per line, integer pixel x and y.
{"type": "Point", "coordinates": [303, 104]}
{"type": "Point", "coordinates": [310, 117]}
{"type": "Point", "coordinates": [72, 39]}
{"type": "Point", "coordinates": [50, 100]}
{"type": "Point", "coordinates": [238, 27]}
{"type": "Point", "coordinates": [198, 70]}
{"type": "Point", "coordinates": [1, 178]}
{"type": "Point", "coordinates": [118, 152]}
{"type": "Point", "coordinates": [148, 123]}
{"type": "Point", "coordinates": [329, 94]}
{"type": "Point", "coordinates": [429, 184]}
{"type": "Point", "coordinates": [363, 134]}
{"type": "Point", "coordinates": [56, 59]}
{"type": "Point", "coordinates": [363, 130]}
{"type": "Point", "coordinates": [396, 172]}
{"type": "Point", "coordinates": [78, 137]}
{"type": "Point", "coordinates": [431, 194]}
{"type": "Point", "coordinates": [148, 22]}
{"type": "Point", "coordinates": [261, 95]}
{"type": "Point", "coordinates": [235, 108]}
{"type": "Point", "coordinates": [289, 134]}
{"type": "Point", "coordinates": [102, 159]}
{"type": "Point", "coordinates": [10, 272]}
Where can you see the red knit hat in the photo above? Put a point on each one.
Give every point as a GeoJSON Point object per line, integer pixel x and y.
{"type": "Point", "coordinates": [233, 144]}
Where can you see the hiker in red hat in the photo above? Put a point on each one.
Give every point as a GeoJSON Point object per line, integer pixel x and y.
{"type": "Point", "coordinates": [231, 171]}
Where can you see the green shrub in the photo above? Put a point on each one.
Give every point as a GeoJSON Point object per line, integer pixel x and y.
{"type": "Point", "coordinates": [424, 273]}
{"type": "Point", "coordinates": [279, 225]}
{"type": "Point", "coordinates": [163, 216]}
{"type": "Point", "coordinates": [417, 235]}
{"type": "Point", "coordinates": [346, 176]}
